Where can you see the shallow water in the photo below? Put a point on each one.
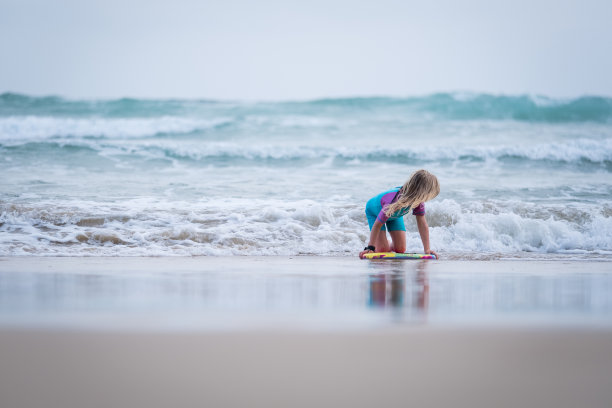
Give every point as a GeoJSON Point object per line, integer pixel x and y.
{"type": "Point", "coordinates": [131, 177]}
{"type": "Point", "coordinates": [301, 292]}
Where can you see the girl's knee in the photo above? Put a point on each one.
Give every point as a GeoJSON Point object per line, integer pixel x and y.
{"type": "Point", "coordinates": [398, 248]}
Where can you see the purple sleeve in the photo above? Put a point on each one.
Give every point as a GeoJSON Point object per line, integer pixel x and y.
{"type": "Point", "coordinates": [382, 217]}
{"type": "Point", "coordinates": [419, 210]}
{"type": "Point", "coordinates": [385, 201]}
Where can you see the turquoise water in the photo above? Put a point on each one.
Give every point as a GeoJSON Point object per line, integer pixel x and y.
{"type": "Point", "coordinates": [521, 176]}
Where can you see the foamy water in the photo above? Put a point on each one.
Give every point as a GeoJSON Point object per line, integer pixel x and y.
{"type": "Point", "coordinates": [520, 176]}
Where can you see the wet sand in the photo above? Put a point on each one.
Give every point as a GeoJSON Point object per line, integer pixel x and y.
{"type": "Point", "coordinates": [210, 293]}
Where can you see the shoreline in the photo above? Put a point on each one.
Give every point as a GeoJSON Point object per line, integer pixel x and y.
{"type": "Point", "coordinates": [454, 256]}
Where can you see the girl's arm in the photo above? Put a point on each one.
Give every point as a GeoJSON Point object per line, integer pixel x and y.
{"type": "Point", "coordinates": [373, 237]}
{"type": "Point", "coordinates": [424, 232]}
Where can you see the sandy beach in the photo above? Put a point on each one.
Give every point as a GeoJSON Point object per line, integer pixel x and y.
{"type": "Point", "coordinates": [303, 331]}
{"type": "Point", "coordinates": [422, 367]}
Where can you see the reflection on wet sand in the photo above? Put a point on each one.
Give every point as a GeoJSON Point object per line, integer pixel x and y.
{"type": "Point", "coordinates": [388, 287]}
{"type": "Point", "coordinates": [317, 291]}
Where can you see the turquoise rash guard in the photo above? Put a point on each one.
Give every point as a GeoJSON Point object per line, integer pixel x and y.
{"type": "Point", "coordinates": [376, 206]}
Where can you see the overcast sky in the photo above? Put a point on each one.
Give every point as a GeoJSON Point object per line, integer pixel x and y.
{"type": "Point", "coordinates": [262, 50]}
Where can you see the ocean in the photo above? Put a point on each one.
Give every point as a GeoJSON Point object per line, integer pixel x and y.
{"type": "Point", "coordinates": [521, 176]}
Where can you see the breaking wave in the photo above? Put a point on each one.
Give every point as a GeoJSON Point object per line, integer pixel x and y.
{"type": "Point", "coordinates": [578, 151]}
{"type": "Point", "coordinates": [273, 227]}
{"type": "Point", "coordinates": [453, 106]}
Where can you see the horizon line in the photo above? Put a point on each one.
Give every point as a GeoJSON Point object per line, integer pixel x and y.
{"type": "Point", "coordinates": [459, 93]}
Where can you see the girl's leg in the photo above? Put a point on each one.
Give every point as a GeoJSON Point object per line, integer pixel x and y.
{"type": "Point", "coordinates": [382, 245]}
{"type": "Point", "coordinates": [398, 241]}
{"type": "Point", "coordinates": [397, 229]}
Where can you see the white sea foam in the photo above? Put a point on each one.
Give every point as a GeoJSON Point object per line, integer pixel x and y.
{"type": "Point", "coordinates": [253, 140]}
{"type": "Point", "coordinates": [579, 150]}
{"type": "Point", "coordinates": [274, 227]}
{"type": "Point", "coordinates": [40, 128]}
{"type": "Point", "coordinates": [593, 150]}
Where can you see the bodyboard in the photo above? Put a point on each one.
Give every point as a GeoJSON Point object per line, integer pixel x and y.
{"type": "Point", "coordinates": [394, 255]}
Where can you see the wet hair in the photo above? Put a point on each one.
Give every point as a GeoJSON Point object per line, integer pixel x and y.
{"type": "Point", "coordinates": [421, 186]}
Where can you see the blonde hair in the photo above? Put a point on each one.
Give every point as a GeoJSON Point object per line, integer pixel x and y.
{"type": "Point", "coordinates": [422, 186]}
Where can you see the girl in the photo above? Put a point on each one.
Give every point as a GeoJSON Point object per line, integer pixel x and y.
{"type": "Point", "coordinates": [388, 209]}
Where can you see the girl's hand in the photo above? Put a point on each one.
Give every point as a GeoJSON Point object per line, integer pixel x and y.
{"type": "Point", "coordinates": [362, 253]}
{"type": "Point", "coordinates": [433, 253]}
